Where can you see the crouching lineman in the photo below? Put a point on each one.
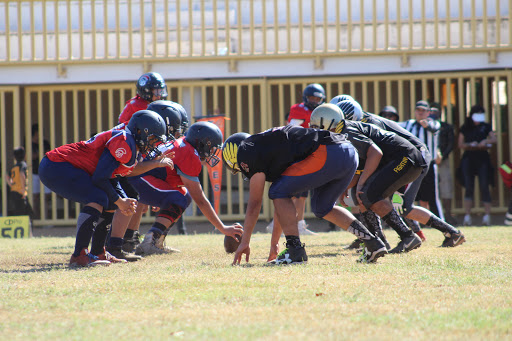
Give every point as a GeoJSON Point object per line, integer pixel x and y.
{"type": "Point", "coordinates": [296, 160]}
{"type": "Point", "coordinates": [453, 237]}
{"type": "Point", "coordinates": [390, 162]}
{"type": "Point", "coordinates": [173, 189]}
{"type": "Point", "coordinates": [82, 171]}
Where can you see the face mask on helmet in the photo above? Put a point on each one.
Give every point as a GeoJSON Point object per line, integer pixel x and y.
{"type": "Point", "coordinates": [148, 129]}
{"type": "Point", "coordinates": [313, 96]}
{"type": "Point", "coordinates": [151, 85]}
{"type": "Point", "coordinates": [206, 138]}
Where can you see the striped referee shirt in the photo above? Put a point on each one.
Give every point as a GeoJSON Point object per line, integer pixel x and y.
{"type": "Point", "coordinates": [428, 135]}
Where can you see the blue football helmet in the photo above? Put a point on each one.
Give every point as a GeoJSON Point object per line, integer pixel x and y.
{"type": "Point", "coordinates": [313, 90]}
{"type": "Point", "coordinates": [148, 129]}
{"type": "Point", "coordinates": [206, 138]}
{"type": "Point", "coordinates": [171, 116]}
{"type": "Point", "coordinates": [150, 84]}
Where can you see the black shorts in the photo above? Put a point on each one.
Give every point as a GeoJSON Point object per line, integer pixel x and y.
{"type": "Point", "coordinates": [427, 191]}
{"type": "Point", "coordinates": [388, 179]}
{"type": "Point", "coordinates": [17, 205]}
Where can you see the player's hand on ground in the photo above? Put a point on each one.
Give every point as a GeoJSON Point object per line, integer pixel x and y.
{"type": "Point", "coordinates": [234, 231]}
{"type": "Point", "coordinates": [274, 251]}
{"type": "Point", "coordinates": [242, 248]}
{"type": "Point", "coordinates": [127, 206]}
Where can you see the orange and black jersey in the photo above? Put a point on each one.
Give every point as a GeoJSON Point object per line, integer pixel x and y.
{"type": "Point", "coordinates": [273, 151]}
{"type": "Point", "coordinates": [363, 135]}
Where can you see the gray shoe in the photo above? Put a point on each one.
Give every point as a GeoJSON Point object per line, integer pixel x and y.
{"type": "Point", "coordinates": [160, 243]}
{"type": "Point", "coordinates": [407, 244]}
{"type": "Point", "coordinates": [148, 247]}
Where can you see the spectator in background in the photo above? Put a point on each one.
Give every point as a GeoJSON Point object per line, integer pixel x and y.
{"type": "Point", "coordinates": [444, 148]}
{"type": "Point", "coordinates": [18, 183]}
{"type": "Point", "coordinates": [475, 138]}
{"type": "Point", "coordinates": [390, 113]}
{"type": "Point", "coordinates": [36, 183]}
{"type": "Point", "coordinates": [427, 130]}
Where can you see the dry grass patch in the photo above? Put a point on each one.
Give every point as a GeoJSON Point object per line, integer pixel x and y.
{"type": "Point", "coordinates": [431, 293]}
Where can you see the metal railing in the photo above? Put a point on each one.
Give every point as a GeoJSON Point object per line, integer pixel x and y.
{"type": "Point", "coordinates": [69, 113]}
{"type": "Point", "coordinates": [94, 31]}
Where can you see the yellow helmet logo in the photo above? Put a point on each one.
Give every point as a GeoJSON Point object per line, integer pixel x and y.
{"type": "Point", "coordinates": [229, 154]}
{"type": "Point", "coordinates": [340, 126]}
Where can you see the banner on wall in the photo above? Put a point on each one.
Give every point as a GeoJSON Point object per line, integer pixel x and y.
{"type": "Point", "coordinates": [215, 173]}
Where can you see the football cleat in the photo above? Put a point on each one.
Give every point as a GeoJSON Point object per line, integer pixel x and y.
{"type": "Point", "coordinates": [291, 256]}
{"type": "Point", "coordinates": [121, 254]}
{"type": "Point", "coordinates": [148, 247]}
{"type": "Point", "coordinates": [407, 244]}
{"type": "Point", "coordinates": [160, 243]}
{"type": "Point", "coordinates": [303, 229]}
{"type": "Point", "coordinates": [105, 255]}
{"type": "Point", "coordinates": [453, 240]}
{"type": "Point", "coordinates": [86, 259]}
{"type": "Point", "coordinates": [373, 250]}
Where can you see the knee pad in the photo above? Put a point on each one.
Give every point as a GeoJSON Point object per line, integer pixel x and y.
{"type": "Point", "coordinates": [173, 212]}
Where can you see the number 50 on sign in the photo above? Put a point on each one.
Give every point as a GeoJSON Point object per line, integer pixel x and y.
{"type": "Point", "coordinates": [15, 227]}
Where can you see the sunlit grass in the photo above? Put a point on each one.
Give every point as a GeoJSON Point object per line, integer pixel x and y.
{"type": "Point", "coordinates": [430, 293]}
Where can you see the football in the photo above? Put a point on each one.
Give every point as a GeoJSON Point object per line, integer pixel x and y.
{"type": "Point", "coordinates": [230, 244]}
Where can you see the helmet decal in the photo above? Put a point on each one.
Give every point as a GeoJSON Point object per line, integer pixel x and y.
{"type": "Point", "coordinates": [229, 153]}
{"type": "Point", "coordinates": [340, 126]}
{"type": "Point", "coordinates": [143, 80]}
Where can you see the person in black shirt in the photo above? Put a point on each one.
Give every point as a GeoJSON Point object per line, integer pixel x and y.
{"type": "Point", "coordinates": [395, 149]}
{"type": "Point", "coordinates": [476, 137]}
{"type": "Point", "coordinates": [389, 162]}
{"type": "Point", "coordinates": [295, 160]}
{"type": "Point", "coordinates": [453, 237]}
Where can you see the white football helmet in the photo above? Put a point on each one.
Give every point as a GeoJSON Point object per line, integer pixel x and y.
{"type": "Point", "coordinates": [326, 116]}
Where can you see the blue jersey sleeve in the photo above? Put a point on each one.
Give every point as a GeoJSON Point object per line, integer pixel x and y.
{"type": "Point", "coordinates": [107, 164]}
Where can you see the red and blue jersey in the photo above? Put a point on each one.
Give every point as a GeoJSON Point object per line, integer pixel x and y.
{"type": "Point", "coordinates": [186, 163]}
{"type": "Point", "coordinates": [86, 154]}
{"type": "Point", "coordinates": [132, 106]}
{"type": "Point", "coordinates": [300, 112]}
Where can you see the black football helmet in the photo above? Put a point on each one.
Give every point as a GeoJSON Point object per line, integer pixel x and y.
{"type": "Point", "coordinates": [184, 117]}
{"type": "Point", "coordinates": [150, 84]}
{"type": "Point", "coordinates": [206, 138]}
{"type": "Point", "coordinates": [313, 90]}
{"type": "Point", "coordinates": [171, 116]}
{"type": "Point", "coordinates": [148, 128]}
{"type": "Point", "coordinates": [230, 151]}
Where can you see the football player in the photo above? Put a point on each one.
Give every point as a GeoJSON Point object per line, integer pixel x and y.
{"type": "Point", "coordinates": [82, 171]}
{"type": "Point", "coordinates": [173, 189]}
{"type": "Point", "coordinates": [125, 229]}
{"type": "Point", "coordinates": [312, 96]}
{"type": "Point", "coordinates": [453, 237]}
{"type": "Point", "coordinates": [294, 160]}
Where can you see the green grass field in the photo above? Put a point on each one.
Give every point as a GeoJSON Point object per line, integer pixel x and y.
{"type": "Point", "coordinates": [464, 293]}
